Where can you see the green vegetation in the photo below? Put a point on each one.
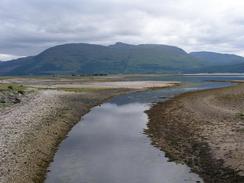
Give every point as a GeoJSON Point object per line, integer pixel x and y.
{"type": "Point", "coordinates": [90, 59]}
{"type": "Point", "coordinates": [13, 87]}
{"type": "Point", "coordinates": [10, 94]}
{"type": "Point", "coordinates": [213, 59]}
{"type": "Point", "coordinates": [217, 62]}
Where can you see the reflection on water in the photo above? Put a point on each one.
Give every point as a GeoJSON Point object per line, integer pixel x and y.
{"type": "Point", "coordinates": [108, 146]}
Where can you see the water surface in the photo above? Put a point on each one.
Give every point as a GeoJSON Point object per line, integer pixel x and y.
{"type": "Point", "coordinates": [108, 144]}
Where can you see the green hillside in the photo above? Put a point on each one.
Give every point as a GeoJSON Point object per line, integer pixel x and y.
{"type": "Point", "coordinates": [81, 58]}
{"type": "Point", "coordinates": [214, 59]}
{"type": "Point", "coordinates": [90, 59]}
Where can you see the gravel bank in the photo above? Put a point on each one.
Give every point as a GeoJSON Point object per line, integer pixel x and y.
{"type": "Point", "coordinates": [205, 130]}
{"type": "Point", "coordinates": [31, 130]}
{"type": "Point", "coordinates": [136, 85]}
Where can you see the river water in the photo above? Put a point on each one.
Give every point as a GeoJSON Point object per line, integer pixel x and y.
{"type": "Point", "coordinates": [108, 144]}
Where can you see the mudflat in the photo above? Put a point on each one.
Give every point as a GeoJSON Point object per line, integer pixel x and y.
{"type": "Point", "coordinates": [204, 129]}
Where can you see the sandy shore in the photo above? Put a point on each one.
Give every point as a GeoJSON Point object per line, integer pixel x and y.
{"type": "Point", "coordinates": [31, 130]}
{"type": "Point", "coordinates": [205, 130]}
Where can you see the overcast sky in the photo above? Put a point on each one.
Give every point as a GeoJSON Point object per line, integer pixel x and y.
{"type": "Point", "coordinates": [27, 27]}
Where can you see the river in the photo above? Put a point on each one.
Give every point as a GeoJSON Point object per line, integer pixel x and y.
{"type": "Point", "coordinates": [108, 144]}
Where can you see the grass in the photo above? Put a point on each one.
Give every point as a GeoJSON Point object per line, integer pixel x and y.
{"type": "Point", "coordinates": [9, 94]}
{"type": "Point", "coordinates": [12, 87]}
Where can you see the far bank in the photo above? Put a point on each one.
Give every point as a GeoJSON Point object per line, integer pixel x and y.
{"type": "Point", "coordinates": [204, 129]}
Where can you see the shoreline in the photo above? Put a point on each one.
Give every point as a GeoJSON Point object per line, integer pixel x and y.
{"type": "Point", "coordinates": [32, 130]}
{"type": "Point", "coordinates": [203, 129]}
{"type": "Point", "coordinates": [27, 156]}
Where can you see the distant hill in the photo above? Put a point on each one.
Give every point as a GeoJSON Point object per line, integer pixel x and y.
{"type": "Point", "coordinates": [9, 67]}
{"type": "Point", "coordinates": [231, 68]}
{"type": "Point", "coordinates": [212, 58]}
{"type": "Point", "coordinates": [82, 58]}
{"type": "Point", "coordinates": [218, 62]}
{"type": "Point", "coordinates": [90, 59]}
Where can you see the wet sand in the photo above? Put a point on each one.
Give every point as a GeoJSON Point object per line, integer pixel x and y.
{"type": "Point", "coordinates": [205, 130]}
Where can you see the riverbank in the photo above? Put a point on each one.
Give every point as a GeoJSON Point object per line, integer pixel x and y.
{"type": "Point", "coordinates": [32, 129]}
{"type": "Point", "coordinates": [205, 130]}
{"type": "Point", "coordinates": [30, 132]}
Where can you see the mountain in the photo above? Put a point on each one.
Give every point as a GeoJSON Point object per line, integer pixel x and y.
{"type": "Point", "coordinates": [231, 68]}
{"type": "Point", "coordinates": [82, 58]}
{"type": "Point", "coordinates": [9, 67]}
{"type": "Point", "coordinates": [213, 59]}
{"type": "Point", "coordinates": [218, 62]}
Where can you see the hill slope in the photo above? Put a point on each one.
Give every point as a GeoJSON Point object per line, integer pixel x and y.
{"type": "Point", "coordinates": [218, 62]}
{"type": "Point", "coordinates": [81, 58]}
{"type": "Point", "coordinates": [231, 68]}
{"type": "Point", "coordinates": [212, 58]}
{"type": "Point", "coordinates": [89, 59]}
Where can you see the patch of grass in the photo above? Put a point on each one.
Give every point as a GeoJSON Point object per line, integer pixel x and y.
{"type": "Point", "coordinates": [5, 77]}
{"type": "Point", "coordinates": [13, 87]}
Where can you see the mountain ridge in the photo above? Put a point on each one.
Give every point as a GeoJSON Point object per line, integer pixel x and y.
{"type": "Point", "coordinates": [84, 58]}
{"type": "Point", "coordinates": [214, 58]}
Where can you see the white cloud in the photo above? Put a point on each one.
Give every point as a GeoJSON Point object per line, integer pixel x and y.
{"type": "Point", "coordinates": [30, 26]}
{"type": "Point", "coordinates": [6, 57]}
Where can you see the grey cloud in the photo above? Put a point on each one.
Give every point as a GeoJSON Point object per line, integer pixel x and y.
{"type": "Point", "coordinates": [30, 26]}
